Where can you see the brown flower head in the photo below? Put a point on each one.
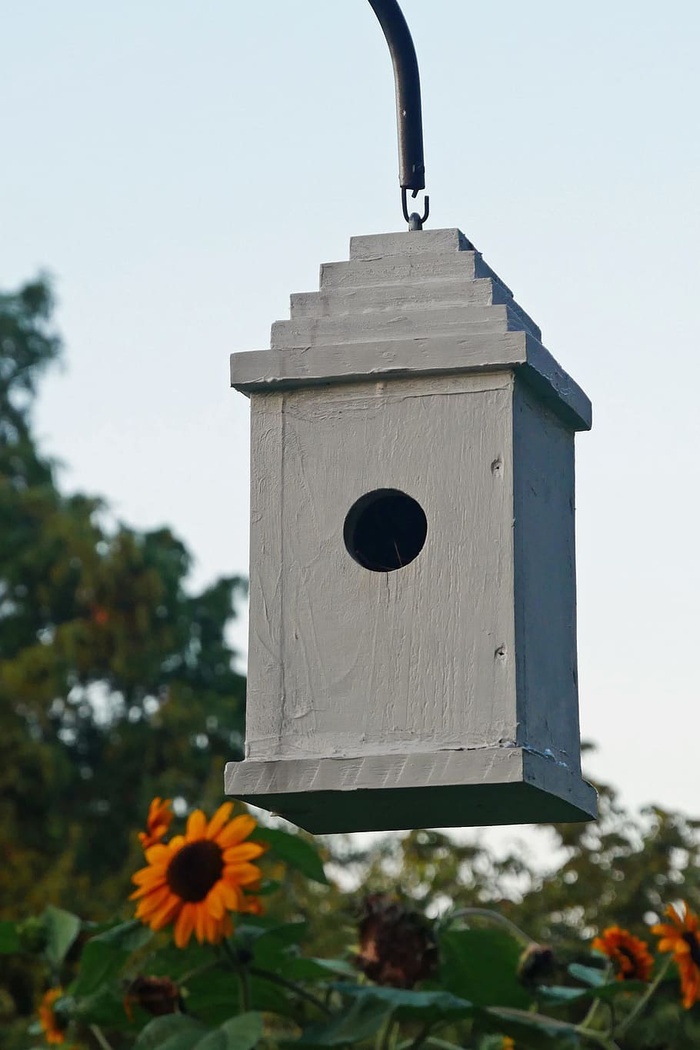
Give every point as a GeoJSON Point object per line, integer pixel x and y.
{"type": "Point", "coordinates": [682, 937]}
{"type": "Point", "coordinates": [397, 946]}
{"type": "Point", "coordinates": [155, 995]}
{"type": "Point", "coordinates": [536, 965]}
{"type": "Point", "coordinates": [629, 954]}
{"type": "Point", "coordinates": [160, 816]}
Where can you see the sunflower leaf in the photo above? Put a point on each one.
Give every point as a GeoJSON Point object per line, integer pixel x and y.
{"type": "Point", "coordinates": [407, 1004]}
{"type": "Point", "coordinates": [534, 1031]}
{"type": "Point", "coordinates": [238, 1033]}
{"type": "Point", "coordinates": [62, 927]}
{"type": "Point", "coordinates": [481, 965]}
{"type": "Point", "coordinates": [589, 975]}
{"type": "Point", "coordinates": [361, 1020]}
{"type": "Point", "coordinates": [105, 955]}
{"type": "Point", "coordinates": [294, 851]}
{"type": "Point", "coordinates": [9, 938]}
{"type": "Point", "coordinates": [173, 1032]}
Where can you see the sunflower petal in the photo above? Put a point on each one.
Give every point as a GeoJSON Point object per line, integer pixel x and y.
{"type": "Point", "coordinates": [219, 819]}
{"type": "Point", "coordinates": [236, 830]}
{"type": "Point", "coordinates": [196, 825]}
{"type": "Point", "coordinates": [184, 925]}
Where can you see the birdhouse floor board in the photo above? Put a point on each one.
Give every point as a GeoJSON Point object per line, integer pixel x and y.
{"type": "Point", "coordinates": [489, 786]}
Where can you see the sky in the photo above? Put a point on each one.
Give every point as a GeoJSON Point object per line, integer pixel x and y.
{"type": "Point", "coordinates": [180, 168]}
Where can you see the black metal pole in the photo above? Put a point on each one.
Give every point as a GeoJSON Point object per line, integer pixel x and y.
{"type": "Point", "coordinates": [409, 118]}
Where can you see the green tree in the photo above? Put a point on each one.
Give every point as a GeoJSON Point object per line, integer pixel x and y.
{"type": "Point", "coordinates": [116, 682]}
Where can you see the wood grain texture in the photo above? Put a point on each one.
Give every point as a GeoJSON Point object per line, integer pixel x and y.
{"type": "Point", "coordinates": [375, 662]}
{"type": "Point", "coordinates": [265, 370]}
{"type": "Point", "coordinates": [545, 580]}
{"type": "Point", "coordinates": [442, 693]}
{"type": "Point", "coordinates": [390, 792]}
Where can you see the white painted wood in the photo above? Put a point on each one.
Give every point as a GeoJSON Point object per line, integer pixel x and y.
{"type": "Point", "coordinates": [545, 580]}
{"type": "Point", "coordinates": [265, 370]}
{"type": "Point", "coordinates": [376, 663]}
{"type": "Point", "coordinates": [451, 291]}
{"type": "Point", "coordinates": [500, 785]}
{"type": "Point", "coordinates": [443, 693]}
{"type": "Point", "coordinates": [384, 245]}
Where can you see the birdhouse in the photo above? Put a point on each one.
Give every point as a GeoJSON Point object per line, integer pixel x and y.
{"type": "Point", "coordinates": [412, 656]}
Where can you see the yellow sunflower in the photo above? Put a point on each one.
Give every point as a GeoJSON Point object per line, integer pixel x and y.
{"type": "Point", "coordinates": [53, 1026]}
{"type": "Point", "coordinates": [198, 878]}
{"type": "Point", "coordinates": [682, 937]}
{"type": "Point", "coordinates": [159, 819]}
{"type": "Point", "coordinates": [630, 954]}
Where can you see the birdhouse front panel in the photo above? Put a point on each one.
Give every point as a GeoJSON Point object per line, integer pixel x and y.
{"type": "Point", "coordinates": [383, 651]}
{"type": "Point", "coordinates": [412, 657]}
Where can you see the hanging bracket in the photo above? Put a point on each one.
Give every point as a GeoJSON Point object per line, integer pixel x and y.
{"type": "Point", "coordinates": [409, 117]}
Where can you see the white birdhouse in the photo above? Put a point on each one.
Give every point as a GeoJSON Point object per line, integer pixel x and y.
{"type": "Point", "coordinates": [412, 656]}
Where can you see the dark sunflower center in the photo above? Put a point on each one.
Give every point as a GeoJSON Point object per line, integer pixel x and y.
{"type": "Point", "coordinates": [692, 941]}
{"type": "Point", "coordinates": [194, 870]}
{"type": "Point", "coordinates": [628, 960]}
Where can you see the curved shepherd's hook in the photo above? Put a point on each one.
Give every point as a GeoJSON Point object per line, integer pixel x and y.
{"type": "Point", "coordinates": [408, 108]}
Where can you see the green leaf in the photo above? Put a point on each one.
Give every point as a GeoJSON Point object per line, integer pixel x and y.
{"type": "Point", "coordinates": [481, 965]}
{"type": "Point", "coordinates": [294, 851]}
{"type": "Point", "coordinates": [105, 1007]}
{"type": "Point", "coordinates": [238, 1033]}
{"type": "Point", "coordinates": [589, 975]}
{"type": "Point", "coordinates": [213, 995]}
{"type": "Point", "coordinates": [615, 988]}
{"type": "Point", "coordinates": [62, 927]}
{"type": "Point", "coordinates": [561, 994]}
{"type": "Point", "coordinates": [533, 1031]}
{"type": "Point", "coordinates": [9, 939]}
{"type": "Point", "coordinates": [174, 1032]}
{"type": "Point", "coordinates": [406, 1004]}
{"type": "Point", "coordinates": [105, 955]}
{"type": "Point", "coordinates": [361, 1020]}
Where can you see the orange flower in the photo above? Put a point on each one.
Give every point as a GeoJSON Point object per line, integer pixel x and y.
{"type": "Point", "coordinates": [631, 956]}
{"type": "Point", "coordinates": [198, 878]}
{"type": "Point", "coordinates": [681, 936]}
{"type": "Point", "coordinates": [160, 816]}
{"type": "Point", "coordinates": [53, 1026]}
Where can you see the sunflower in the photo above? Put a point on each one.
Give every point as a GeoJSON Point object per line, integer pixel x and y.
{"type": "Point", "coordinates": [53, 1025]}
{"type": "Point", "coordinates": [196, 879]}
{"type": "Point", "coordinates": [631, 956]}
{"type": "Point", "coordinates": [682, 937]}
{"type": "Point", "coordinates": [159, 819]}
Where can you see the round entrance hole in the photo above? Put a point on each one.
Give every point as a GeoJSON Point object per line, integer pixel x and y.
{"type": "Point", "coordinates": [385, 530]}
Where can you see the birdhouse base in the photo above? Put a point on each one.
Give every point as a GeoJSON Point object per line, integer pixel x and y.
{"type": "Point", "coordinates": [470, 788]}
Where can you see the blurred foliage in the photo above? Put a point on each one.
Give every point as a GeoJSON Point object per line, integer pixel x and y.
{"type": "Point", "coordinates": [116, 682]}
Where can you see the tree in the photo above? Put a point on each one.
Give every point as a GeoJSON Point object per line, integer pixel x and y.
{"type": "Point", "coordinates": [116, 682]}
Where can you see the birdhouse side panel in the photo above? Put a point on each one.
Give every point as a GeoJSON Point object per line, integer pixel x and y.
{"type": "Point", "coordinates": [347, 661]}
{"type": "Point", "coordinates": [545, 580]}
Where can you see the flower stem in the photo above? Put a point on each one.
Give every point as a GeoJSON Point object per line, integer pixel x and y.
{"type": "Point", "coordinates": [491, 916]}
{"type": "Point", "coordinates": [97, 1032]}
{"type": "Point", "coordinates": [624, 1025]}
{"type": "Point", "coordinates": [244, 977]}
{"type": "Point", "coordinates": [422, 1035]}
{"type": "Point", "coordinates": [383, 1040]}
{"type": "Point", "coordinates": [275, 978]}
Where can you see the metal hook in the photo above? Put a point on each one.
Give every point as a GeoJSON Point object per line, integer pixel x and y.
{"type": "Point", "coordinates": [408, 104]}
{"type": "Point", "coordinates": [414, 220]}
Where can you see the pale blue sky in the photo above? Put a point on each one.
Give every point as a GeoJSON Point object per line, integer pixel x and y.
{"type": "Point", "coordinates": [182, 167]}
